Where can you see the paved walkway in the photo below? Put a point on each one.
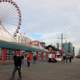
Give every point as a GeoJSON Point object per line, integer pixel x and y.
{"type": "Point", "coordinates": [45, 71]}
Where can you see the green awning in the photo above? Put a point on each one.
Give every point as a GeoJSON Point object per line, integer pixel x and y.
{"type": "Point", "coordinates": [12, 45]}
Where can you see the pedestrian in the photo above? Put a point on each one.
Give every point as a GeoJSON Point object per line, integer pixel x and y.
{"type": "Point", "coordinates": [70, 59]}
{"type": "Point", "coordinates": [34, 59]}
{"type": "Point", "coordinates": [50, 57]}
{"type": "Point", "coordinates": [18, 57]}
{"type": "Point", "coordinates": [64, 58]}
{"type": "Point", "coordinates": [25, 60]}
{"type": "Point", "coordinates": [28, 60]}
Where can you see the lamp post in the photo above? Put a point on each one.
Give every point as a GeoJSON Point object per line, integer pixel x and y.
{"type": "Point", "coordinates": [62, 40]}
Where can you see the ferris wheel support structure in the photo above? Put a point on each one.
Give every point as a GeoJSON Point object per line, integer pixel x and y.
{"type": "Point", "coordinates": [18, 14]}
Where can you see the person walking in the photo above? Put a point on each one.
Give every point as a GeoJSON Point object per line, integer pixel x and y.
{"type": "Point", "coordinates": [28, 60]}
{"type": "Point", "coordinates": [17, 65]}
{"type": "Point", "coordinates": [25, 60]}
{"type": "Point", "coordinates": [64, 58]}
{"type": "Point", "coordinates": [34, 59]}
{"type": "Point", "coordinates": [70, 58]}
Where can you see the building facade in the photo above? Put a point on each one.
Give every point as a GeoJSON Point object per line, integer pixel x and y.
{"type": "Point", "coordinates": [68, 48]}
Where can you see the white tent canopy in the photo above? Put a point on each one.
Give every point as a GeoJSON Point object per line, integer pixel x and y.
{"type": "Point", "coordinates": [5, 35]}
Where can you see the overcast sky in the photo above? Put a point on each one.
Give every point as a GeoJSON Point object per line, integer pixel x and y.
{"type": "Point", "coordinates": [47, 19]}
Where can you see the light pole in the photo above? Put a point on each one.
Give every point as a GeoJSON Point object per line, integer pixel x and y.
{"type": "Point", "coordinates": [61, 40]}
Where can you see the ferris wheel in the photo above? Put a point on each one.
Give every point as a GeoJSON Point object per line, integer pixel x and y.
{"type": "Point", "coordinates": [10, 16]}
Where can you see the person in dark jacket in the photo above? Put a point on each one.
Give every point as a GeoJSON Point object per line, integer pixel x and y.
{"type": "Point", "coordinates": [17, 65]}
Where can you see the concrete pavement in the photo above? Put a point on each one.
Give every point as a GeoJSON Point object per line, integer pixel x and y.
{"type": "Point", "coordinates": [45, 71]}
